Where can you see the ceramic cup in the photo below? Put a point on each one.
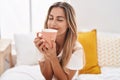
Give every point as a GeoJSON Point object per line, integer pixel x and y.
{"type": "Point", "coordinates": [48, 35]}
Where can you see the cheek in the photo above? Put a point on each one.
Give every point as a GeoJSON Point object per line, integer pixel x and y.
{"type": "Point", "coordinates": [64, 27]}
{"type": "Point", "coordinates": [62, 30]}
{"type": "Point", "coordinates": [48, 24]}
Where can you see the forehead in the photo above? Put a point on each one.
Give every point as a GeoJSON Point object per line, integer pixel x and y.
{"type": "Point", "coordinates": [57, 11]}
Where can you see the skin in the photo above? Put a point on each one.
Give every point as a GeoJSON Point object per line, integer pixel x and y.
{"type": "Point", "coordinates": [51, 65]}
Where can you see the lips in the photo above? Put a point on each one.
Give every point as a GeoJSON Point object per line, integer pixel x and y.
{"type": "Point", "coordinates": [53, 28]}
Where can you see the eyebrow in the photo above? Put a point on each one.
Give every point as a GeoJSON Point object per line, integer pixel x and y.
{"type": "Point", "coordinates": [57, 16]}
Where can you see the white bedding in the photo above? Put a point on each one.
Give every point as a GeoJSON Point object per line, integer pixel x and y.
{"type": "Point", "coordinates": [33, 73]}
{"type": "Point", "coordinates": [108, 73]}
{"type": "Point", "coordinates": [23, 73]}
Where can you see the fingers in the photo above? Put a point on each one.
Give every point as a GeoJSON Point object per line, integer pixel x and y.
{"type": "Point", "coordinates": [45, 49]}
{"type": "Point", "coordinates": [43, 46]}
{"type": "Point", "coordinates": [47, 45]}
{"type": "Point", "coordinates": [39, 34]}
{"type": "Point", "coordinates": [39, 43]}
{"type": "Point", "coordinates": [53, 43]}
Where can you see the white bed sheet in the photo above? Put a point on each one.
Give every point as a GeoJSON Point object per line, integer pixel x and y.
{"type": "Point", "coordinates": [33, 73]}
{"type": "Point", "coordinates": [23, 72]}
{"type": "Point", "coordinates": [107, 73]}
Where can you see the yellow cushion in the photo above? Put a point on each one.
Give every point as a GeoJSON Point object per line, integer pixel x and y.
{"type": "Point", "coordinates": [89, 43]}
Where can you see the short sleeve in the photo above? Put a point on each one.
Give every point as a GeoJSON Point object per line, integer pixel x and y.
{"type": "Point", "coordinates": [77, 59]}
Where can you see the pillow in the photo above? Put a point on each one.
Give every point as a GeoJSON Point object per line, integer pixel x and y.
{"type": "Point", "coordinates": [88, 41]}
{"type": "Point", "coordinates": [109, 49]}
{"type": "Point", "coordinates": [25, 49]}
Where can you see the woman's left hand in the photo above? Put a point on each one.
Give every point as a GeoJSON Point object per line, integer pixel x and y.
{"type": "Point", "coordinates": [50, 52]}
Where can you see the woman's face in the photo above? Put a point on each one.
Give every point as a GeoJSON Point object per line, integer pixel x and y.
{"type": "Point", "coordinates": [57, 20]}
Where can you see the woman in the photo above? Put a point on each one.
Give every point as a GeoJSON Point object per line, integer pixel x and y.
{"type": "Point", "coordinates": [65, 58]}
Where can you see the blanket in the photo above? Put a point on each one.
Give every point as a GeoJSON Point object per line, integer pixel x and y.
{"type": "Point", "coordinates": [23, 72]}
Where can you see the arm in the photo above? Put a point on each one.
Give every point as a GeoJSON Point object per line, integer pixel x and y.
{"type": "Point", "coordinates": [50, 54]}
{"type": "Point", "coordinates": [51, 63]}
{"type": "Point", "coordinates": [44, 65]}
{"type": "Point", "coordinates": [59, 72]}
{"type": "Point", "coordinates": [46, 69]}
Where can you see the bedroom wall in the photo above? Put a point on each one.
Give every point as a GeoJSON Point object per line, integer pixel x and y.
{"type": "Point", "coordinates": [104, 15]}
{"type": "Point", "coordinates": [22, 16]}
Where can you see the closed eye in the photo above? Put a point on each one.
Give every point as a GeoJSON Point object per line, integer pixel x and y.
{"type": "Point", "coordinates": [50, 18]}
{"type": "Point", "coordinates": [60, 20]}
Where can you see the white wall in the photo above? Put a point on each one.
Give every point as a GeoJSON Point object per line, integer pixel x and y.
{"type": "Point", "coordinates": [14, 17]}
{"type": "Point", "coordinates": [104, 15]}
{"type": "Point", "coordinates": [39, 12]}
{"type": "Point", "coordinates": [0, 19]}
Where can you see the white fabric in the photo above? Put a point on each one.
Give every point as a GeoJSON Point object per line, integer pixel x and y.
{"type": "Point", "coordinates": [33, 73]}
{"type": "Point", "coordinates": [107, 73]}
{"type": "Point", "coordinates": [23, 72]}
{"type": "Point", "coordinates": [26, 50]}
{"type": "Point", "coordinates": [41, 56]}
{"type": "Point", "coordinates": [76, 60]}
{"type": "Point", "coordinates": [108, 49]}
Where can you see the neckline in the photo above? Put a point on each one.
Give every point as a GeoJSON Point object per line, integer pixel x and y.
{"type": "Point", "coordinates": [60, 54]}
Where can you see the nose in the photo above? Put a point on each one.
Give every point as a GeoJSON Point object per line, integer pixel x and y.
{"type": "Point", "coordinates": [54, 23]}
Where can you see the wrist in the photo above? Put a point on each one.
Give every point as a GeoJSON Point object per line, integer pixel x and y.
{"type": "Point", "coordinates": [54, 60]}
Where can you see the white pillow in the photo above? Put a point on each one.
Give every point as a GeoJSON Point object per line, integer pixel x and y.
{"type": "Point", "coordinates": [108, 49]}
{"type": "Point", "coordinates": [26, 50]}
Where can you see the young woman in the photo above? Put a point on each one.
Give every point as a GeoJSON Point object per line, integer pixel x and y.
{"type": "Point", "coordinates": [65, 58]}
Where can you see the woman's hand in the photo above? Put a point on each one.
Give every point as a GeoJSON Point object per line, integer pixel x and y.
{"type": "Point", "coordinates": [45, 66]}
{"type": "Point", "coordinates": [44, 48]}
{"type": "Point", "coordinates": [39, 43]}
{"type": "Point", "coordinates": [50, 52]}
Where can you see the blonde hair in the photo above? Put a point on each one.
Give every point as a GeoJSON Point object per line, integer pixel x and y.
{"type": "Point", "coordinates": [71, 33]}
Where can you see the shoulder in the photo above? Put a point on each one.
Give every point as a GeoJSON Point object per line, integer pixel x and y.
{"type": "Point", "coordinates": [77, 46]}
{"type": "Point", "coordinates": [77, 49]}
{"type": "Point", "coordinates": [77, 57]}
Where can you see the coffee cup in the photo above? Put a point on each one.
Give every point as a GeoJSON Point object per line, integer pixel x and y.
{"type": "Point", "coordinates": [48, 35]}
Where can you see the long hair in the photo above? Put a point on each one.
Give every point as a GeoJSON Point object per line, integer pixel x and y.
{"type": "Point", "coordinates": [71, 33]}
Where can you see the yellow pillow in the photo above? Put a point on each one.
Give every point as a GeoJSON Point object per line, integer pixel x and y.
{"type": "Point", "coordinates": [89, 43]}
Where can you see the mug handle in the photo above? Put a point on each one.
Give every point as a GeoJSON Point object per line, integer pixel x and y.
{"type": "Point", "coordinates": [39, 34]}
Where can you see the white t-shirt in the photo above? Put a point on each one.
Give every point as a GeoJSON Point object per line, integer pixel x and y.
{"type": "Point", "coordinates": [76, 61]}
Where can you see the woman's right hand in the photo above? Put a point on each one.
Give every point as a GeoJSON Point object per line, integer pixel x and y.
{"type": "Point", "coordinates": [39, 43]}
